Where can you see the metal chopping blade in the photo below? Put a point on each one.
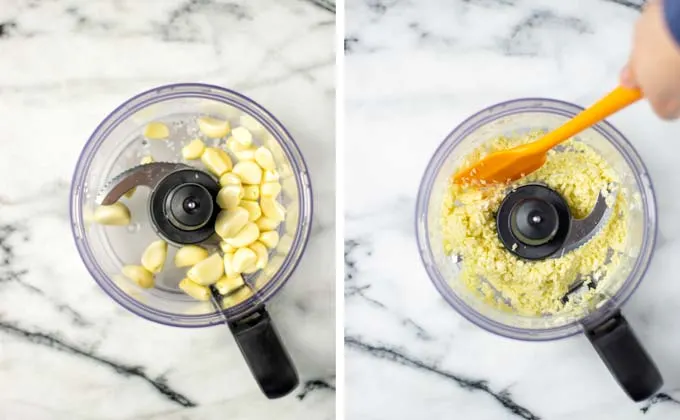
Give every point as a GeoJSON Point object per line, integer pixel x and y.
{"type": "Point", "coordinates": [583, 230]}
{"type": "Point", "coordinates": [149, 175]}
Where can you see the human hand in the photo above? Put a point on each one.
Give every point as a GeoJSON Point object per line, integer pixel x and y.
{"type": "Point", "coordinates": [654, 64]}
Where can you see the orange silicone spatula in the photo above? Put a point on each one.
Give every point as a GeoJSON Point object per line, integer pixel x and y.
{"type": "Point", "coordinates": [511, 164]}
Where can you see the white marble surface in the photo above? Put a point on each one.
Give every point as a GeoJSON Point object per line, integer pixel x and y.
{"type": "Point", "coordinates": [415, 70]}
{"type": "Point", "coordinates": [66, 350]}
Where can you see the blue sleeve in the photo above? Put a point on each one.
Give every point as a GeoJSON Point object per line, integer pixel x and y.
{"type": "Point", "coordinates": [671, 10]}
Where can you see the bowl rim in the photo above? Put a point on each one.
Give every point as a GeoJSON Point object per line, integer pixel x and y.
{"type": "Point", "coordinates": [554, 107]}
{"type": "Point", "coordinates": [248, 106]}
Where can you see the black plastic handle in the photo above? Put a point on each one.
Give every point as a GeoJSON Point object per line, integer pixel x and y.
{"type": "Point", "coordinates": [625, 357]}
{"type": "Point", "coordinates": [265, 354]}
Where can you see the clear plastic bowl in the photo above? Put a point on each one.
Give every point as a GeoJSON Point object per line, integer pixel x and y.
{"type": "Point", "coordinates": [518, 116]}
{"type": "Point", "coordinates": [116, 145]}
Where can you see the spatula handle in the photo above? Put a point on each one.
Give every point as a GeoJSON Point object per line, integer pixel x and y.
{"type": "Point", "coordinates": [616, 100]}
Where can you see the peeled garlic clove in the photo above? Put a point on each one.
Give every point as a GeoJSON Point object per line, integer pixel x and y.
{"type": "Point", "coordinates": [274, 265]}
{"type": "Point", "coordinates": [251, 192]}
{"type": "Point", "coordinates": [230, 196]}
{"type": "Point", "coordinates": [146, 159]}
{"type": "Point", "coordinates": [139, 275]}
{"type": "Point", "coordinates": [117, 214]}
{"type": "Point", "coordinates": [243, 136]}
{"type": "Point", "coordinates": [266, 224]}
{"type": "Point", "coordinates": [226, 248]}
{"type": "Point", "coordinates": [270, 238]}
{"type": "Point", "coordinates": [228, 260]}
{"type": "Point", "coordinates": [273, 145]}
{"type": "Point", "coordinates": [243, 259]}
{"type": "Point", "coordinates": [154, 256]}
{"type": "Point", "coordinates": [264, 158]}
{"type": "Point", "coordinates": [247, 154]}
{"type": "Point", "coordinates": [207, 271]}
{"type": "Point", "coordinates": [288, 185]}
{"type": "Point", "coordinates": [212, 127]}
{"type": "Point", "coordinates": [216, 160]}
{"type": "Point", "coordinates": [230, 222]}
{"type": "Point", "coordinates": [292, 215]}
{"type": "Point", "coordinates": [239, 296]}
{"type": "Point", "coordinates": [250, 270]}
{"type": "Point", "coordinates": [254, 210]}
{"type": "Point", "coordinates": [249, 172]}
{"type": "Point", "coordinates": [251, 124]}
{"type": "Point", "coordinates": [262, 254]}
{"type": "Point", "coordinates": [270, 189]}
{"type": "Point", "coordinates": [227, 285]}
{"type": "Point", "coordinates": [245, 236]}
{"type": "Point", "coordinates": [270, 176]}
{"type": "Point", "coordinates": [273, 209]}
{"type": "Point", "coordinates": [195, 290]}
{"type": "Point", "coordinates": [189, 255]}
{"type": "Point", "coordinates": [156, 131]}
{"type": "Point", "coordinates": [88, 215]}
{"type": "Point", "coordinates": [260, 280]}
{"type": "Point", "coordinates": [285, 244]}
{"type": "Point", "coordinates": [230, 179]}
{"type": "Point", "coordinates": [235, 146]}
{"type": "Point", "coordinates": [285, 171]}
{"type": "Point", "coordinates": [193, 150]}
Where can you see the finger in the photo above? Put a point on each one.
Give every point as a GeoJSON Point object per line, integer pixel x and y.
{"type": "Point", "coordinates": [627, 78]}
{"type": "Point", "coordinates": [649, 4]}
{"type": "Point", "coordinates": [667, 109]}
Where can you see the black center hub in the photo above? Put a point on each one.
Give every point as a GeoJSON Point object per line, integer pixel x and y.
{"type": "Point", "coordinates": [183, 207]}
{"type": "Point", "coordinates": [189, 206]}
{"type": "Point", "coordinates": [533, 221]}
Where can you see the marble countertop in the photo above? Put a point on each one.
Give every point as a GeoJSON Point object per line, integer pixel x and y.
{"type": "Point", "coordinates": [415, 70]}
{"type": "Point", "coordinates": [66, 350]}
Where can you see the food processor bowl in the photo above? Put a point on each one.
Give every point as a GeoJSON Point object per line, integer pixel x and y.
{"type": "Point", "coordinates": [117, 144]}
{"type": "Point", "coordinates": [510, 119]}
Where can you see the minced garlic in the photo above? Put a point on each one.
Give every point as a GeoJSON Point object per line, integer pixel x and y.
{"type": "Point", "coordinates": [536, 288]}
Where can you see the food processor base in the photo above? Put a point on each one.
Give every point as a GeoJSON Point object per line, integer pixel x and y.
{"type": "Point", "coordinates": [625, 357]}
{"type": "Point", "coordinates": [263, 350]}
